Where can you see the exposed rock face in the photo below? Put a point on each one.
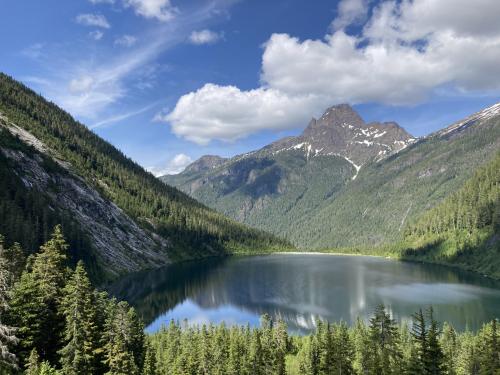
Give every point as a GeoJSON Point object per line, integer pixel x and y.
{"type": "Point", "coordinates": [119, 243]}
{"type": "Point", "coordinates": [341, 131]}
{"type": "Point", "coordinates": [205, 163]}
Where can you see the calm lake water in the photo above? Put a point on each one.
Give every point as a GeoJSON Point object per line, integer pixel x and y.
{"type": "Point", "coordinates": [300, 288]}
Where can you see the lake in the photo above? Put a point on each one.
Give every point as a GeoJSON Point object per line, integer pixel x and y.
{"type": "Point", "coordinates": [301, 288]}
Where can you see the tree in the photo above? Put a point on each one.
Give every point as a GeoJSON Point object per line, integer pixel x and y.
{"type": "Point", "coordinates": [150, 366]}
{"type": "Point", "coordinates": [434, 354]}
{"type": "Point", "coordinates": [81, 334]}
{"type": "Point", "coordinates": [33, 364]}
{"type": "Point", "coordinates": [490, 349]}
{"type": "Point", "coordinates": [450, 347]}
{"type": "Point", "coordinates": [344, 350]}
{"type": "Point", "coordinates": [281, 344]}
{"type": "Point", "coordinates": [256, 360]}
{"type": "Point", "coordinates": [36, 299]}
{"type": "Point", "coordinates": [386, 355]}
{"type": "Point", "coordinates": [419, 334]}
{"type": "Point", "coordinates": [122, 349]}
{"type": "Point", "coordinates": [7, 333]}
{"type": "Point", "coordinates": [47, 369]}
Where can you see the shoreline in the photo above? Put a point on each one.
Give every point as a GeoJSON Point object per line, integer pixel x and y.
{"type": "Point", "coordinates": [329, 253]}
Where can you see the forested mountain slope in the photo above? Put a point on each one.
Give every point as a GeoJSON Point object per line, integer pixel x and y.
{"type": "Point", "coordinates": [464, 229]}
{"type": "Point", "coordinates": [279, 185]}
{"type": "Point", "coordinates": [334, 185]}
{"type": "Point", "coordinates": [117, 216]}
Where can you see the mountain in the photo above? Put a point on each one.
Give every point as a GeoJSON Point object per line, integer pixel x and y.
{"type": "Point", "coordinates": [116, 216]}
{"type": "Point", "coordinates": [464, 229]}
{"type": "Point", "coordinates": [342, 132]}
{"type": "Point", "coordinates": [344, 182]}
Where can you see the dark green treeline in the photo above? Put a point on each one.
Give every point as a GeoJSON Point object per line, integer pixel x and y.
{"type": "Point", "coordinates": [27, 215]}
{"type": "Point", "coordinates": [53, 321]}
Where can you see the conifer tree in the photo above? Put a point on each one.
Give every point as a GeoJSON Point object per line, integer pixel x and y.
{"type": "Point", "coordinates": [490, 354]}
{"type": "Point", "coordinates": [386, 354]}
{"type": "Point", "coordinates": [7, 333]}
{"type": "Point", "coordinates": [420, 337]}
{"type": "Point", "coordinates": [281, 347]}
{"type": "Point", "coordinates": [81, 334]}
{"type": "Point", "coordinates": [450, 347]}
{"type": "Point", "coordinates": [150, 360]}
{"type": "Point", "coordinates": [434, 355]}
{"type": "Point", "coordinates": [33, 364]}
{"type": "Point", "coordinates": [37, 296]}
{"type": "Point", "coordinates": [121, 341]}
{"type": "Point", "coordinates": [256, 354]}
{"type": "Point", "coordinates": [47, 369]}
{"type": "Point", "coordinates": [343, 349]}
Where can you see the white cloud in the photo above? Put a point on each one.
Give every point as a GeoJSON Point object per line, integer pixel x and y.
{"type": "Point", "coordinates": [349, 12]}
{"type": "Point", "coordinates": [174, 166]}
{"type": "Point", "coordinates": [227, 113]}
{"type": "Point", "coordinates": [90, 19]}
{"type": "Point", "coordinates": [126, 41]}
{"type": "Point", "coordinates": [96, 34]}
{"type": "Point", "coordinates": [121, 116]}
{"type": "Point", "coordinates": [204, 37]}
{"type": "Point", "coordinates": [162, 10]}
{"type": "Point", "coordinates": [88, 83]}
{"type": "Point", "coordinates": [406, 51]}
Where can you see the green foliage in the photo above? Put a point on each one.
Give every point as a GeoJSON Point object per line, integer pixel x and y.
{"type": "Point", "coordinates": [103, 336]}
{"type": "Point", "coordinates": [314, 203]}
{"type": "Point", "coordinates": [462, 230]}
{"type": "Point", "coordinates": [36, 298]}
{"type": "Point", "coordinates": [193, 229]}
{"type": "Point", "coordinates": [78, 306]}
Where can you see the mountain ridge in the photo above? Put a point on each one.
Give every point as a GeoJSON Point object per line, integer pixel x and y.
{"type": "Point", "coordinates": [314, 198]}
{"type": "Point", "coordinates": [117, 217]}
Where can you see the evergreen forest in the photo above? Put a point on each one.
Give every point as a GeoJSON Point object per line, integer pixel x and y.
{"type": "Point", "coordinates": [53, 321]}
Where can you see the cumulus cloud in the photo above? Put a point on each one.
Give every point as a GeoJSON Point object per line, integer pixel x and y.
{"type": "Point", "coordinates": [227, 113]}
{"type": "Point", "coordinates": [405, 51]}
{"type": "Point", "coordinates": [162, 10]}
{"type": "Point", "coordinates": [126, 41]}
{"type": "Point", "coordinates": [174, 166]}
{"type": "Point", "coordinates": [96, 34]}
{"type": "Point", "coordinates": [204, 37]}
{"type": "Point", "coordinates": [90, 19]}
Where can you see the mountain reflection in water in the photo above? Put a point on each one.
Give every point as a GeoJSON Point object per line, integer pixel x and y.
{"type": "Point", "coordinates": [301, 288]}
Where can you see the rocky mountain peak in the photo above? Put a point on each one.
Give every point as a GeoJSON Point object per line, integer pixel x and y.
{"type": "Point", "coordinates": [205, 163]}
{"type": "Point", "coordinates": [335, 116]}
{"type": "Point", "coordinates": [341, 131]}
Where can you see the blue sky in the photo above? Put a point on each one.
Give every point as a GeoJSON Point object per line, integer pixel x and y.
{"type": "Point", "coordinates": [167, 81]}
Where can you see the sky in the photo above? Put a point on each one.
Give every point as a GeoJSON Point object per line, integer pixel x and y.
{"type": "Point", "coordinates": [167, 81]}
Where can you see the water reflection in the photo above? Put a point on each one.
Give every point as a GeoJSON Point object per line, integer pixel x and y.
{"type": "Point", "coordinates": [302, 288]}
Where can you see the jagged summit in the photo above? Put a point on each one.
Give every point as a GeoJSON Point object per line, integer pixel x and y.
{"type": "Point", "coordinates": [336, 116]}
{"type": "Point", "coordinates": [341, 131]}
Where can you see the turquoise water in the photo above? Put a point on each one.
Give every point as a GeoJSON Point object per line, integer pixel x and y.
{"type": "Point", "coordinates": [301, 288]}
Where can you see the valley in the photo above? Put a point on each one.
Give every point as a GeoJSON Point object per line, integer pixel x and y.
{"type": "Point", "coordinates": [235, 187]}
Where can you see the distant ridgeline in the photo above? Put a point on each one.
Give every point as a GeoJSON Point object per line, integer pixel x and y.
{"type": "Point", "coordinates": [116, 216]}
{"type": "Point", "coordinates": [344, 185]}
